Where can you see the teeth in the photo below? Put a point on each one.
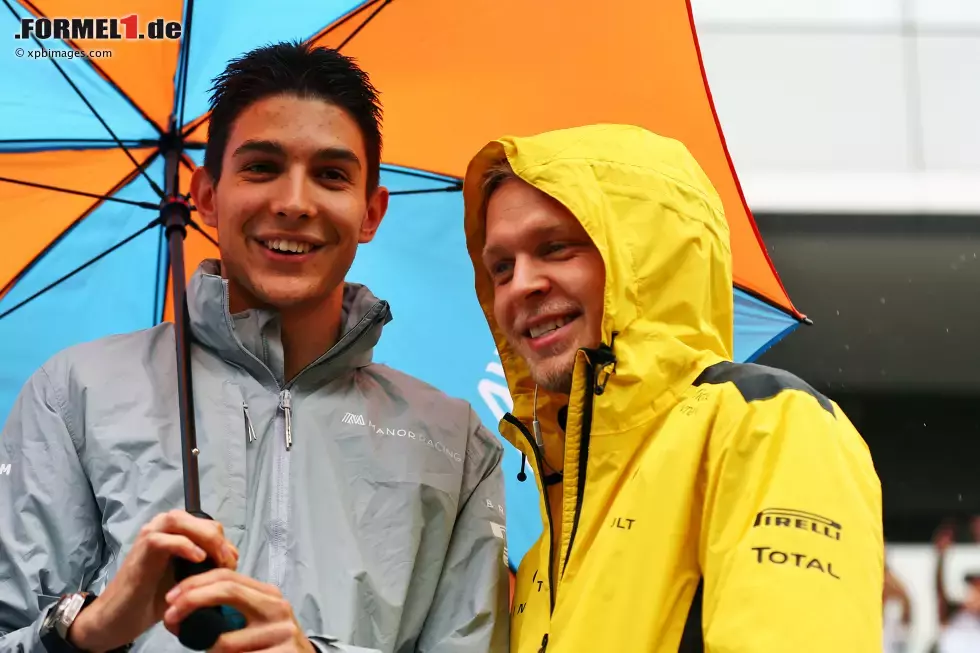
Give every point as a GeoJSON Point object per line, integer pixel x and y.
{"type": "Point", "coordinates": [288, 246]}
{"type": "Point", "coordinates": [545, 327]}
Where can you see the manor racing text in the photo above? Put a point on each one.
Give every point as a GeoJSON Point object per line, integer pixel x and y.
{"type": "Point", "coordinates": [405, 433]}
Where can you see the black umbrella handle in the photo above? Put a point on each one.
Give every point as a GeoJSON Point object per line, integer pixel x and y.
{"type": "Point", "coordinates": [201, 629]}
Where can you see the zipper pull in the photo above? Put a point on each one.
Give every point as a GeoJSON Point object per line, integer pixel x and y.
{"type": "Point", "coordinates": [544, 644]}
{"type": "Point", "coordinates": [286, 403]}
{"type": "Point", "coordinates": [249, 431]}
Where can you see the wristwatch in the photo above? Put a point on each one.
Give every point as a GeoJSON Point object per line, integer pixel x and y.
{"type": "Point", "coordinates": [55, 625]}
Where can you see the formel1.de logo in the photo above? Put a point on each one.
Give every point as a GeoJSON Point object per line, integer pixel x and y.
{"type": "Point", "coordinates": [100, 29]}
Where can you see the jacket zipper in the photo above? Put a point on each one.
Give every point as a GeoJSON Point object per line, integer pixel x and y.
{"type": "Point", "coordinates": [286, 403]}
{"type": "Point", "coordinates": [285, 398]}
{"type": "Point", "coordinates": [585, 436]}
{"type": "Point", "coordinates": [353, 336]}
{"type": "Point", "coordinates": [249, 431]}
{"type": "Point", "coordinates": [603, 357]}
{"type": "Point", "coordinates": [280, 495]}
{"type": "Point", "coordinates": [369, 316]}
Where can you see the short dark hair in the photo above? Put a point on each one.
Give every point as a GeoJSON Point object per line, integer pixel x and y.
{"type": "Point", "coordinates": [296, 68]}
{"type": "Point", "coordinates": [498, 172]}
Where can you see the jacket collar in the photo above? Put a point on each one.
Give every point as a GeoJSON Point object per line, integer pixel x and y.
{"type": "Point", "coordinates": [252, 339]}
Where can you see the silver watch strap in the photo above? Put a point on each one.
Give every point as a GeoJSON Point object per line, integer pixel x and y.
{"type": "Point", "coordinates": [67, 610]}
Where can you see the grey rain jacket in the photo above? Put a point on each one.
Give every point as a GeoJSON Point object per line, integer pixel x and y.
{"type": "Point", "coordinates": [382, 523]}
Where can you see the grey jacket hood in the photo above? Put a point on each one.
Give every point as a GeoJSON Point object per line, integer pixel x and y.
{"type": "Point", "coordinates": [371, 499]}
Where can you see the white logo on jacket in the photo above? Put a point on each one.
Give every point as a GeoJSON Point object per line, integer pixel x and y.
{"type": "Point", "coordinates": [500, 532]}
{"type": "Point", "coordinates": [421, 438]}
{"type": "Point", "coordinates": [351, 418]}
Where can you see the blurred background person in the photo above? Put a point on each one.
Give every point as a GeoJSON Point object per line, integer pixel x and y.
{"type": "Point", "coordinates": [959, 621]}
{"type": "Point", "coordinates": [897, 614]}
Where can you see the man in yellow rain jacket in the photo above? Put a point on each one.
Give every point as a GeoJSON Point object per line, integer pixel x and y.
{"type": "Point", "coordinates": [692, 503]}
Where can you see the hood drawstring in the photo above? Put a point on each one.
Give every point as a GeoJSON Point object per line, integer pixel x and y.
{"type": "Point", "coordinates": [539, 440]}
{"type": "Point", "coordinates": [536, 426]}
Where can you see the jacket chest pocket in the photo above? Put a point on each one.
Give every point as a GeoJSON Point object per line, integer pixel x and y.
{"type": "Point", "coordinates": [222, 437]}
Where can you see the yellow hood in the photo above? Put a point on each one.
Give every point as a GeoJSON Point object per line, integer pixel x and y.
{"type": "Point", "coordinates": [661, 229]}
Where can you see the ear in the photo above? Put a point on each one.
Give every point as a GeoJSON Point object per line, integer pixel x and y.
{"type": "Point", "coordinates": [202, 192]}
{"type": "Point", "coordinates": [376, 209]}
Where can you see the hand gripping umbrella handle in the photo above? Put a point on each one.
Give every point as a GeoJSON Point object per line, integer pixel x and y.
{"type": "Point", "coordinates": [201, 629]}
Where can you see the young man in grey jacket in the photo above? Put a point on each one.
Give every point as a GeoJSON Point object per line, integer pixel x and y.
{"type": "Point", "coordinates": [355, 508]}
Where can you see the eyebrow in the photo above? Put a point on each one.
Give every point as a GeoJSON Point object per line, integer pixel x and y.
{"type": "Point", "coordinates": [539, 232]}
{"type": "Point", "coordinates": [272, 147]}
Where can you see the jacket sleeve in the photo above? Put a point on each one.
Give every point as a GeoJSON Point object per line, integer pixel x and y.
{"type": "Point", "coordinates": [792, 547]}
{"type": "Point", "coordinates": [469, 612]}
{"type": "Point", "coordinates": [50, 525]}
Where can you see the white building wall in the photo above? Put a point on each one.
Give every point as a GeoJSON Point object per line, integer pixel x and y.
{"type": "Point", "coordinates": [848, 105]}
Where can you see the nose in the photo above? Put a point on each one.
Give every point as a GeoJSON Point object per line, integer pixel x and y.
{"type": "Point", "coordinates": [293, 198]}
{"type": "Point", "coordinates": [528, 278]}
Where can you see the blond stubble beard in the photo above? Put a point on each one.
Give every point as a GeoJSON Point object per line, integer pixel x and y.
{"type": "Point", "coordinates": [554, 377]}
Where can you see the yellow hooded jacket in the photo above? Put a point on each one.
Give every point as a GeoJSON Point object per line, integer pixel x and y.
{"type": "Point", "coordinates": [696, 491]}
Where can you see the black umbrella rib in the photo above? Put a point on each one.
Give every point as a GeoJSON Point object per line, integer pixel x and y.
{"type": "Point", "coordinates": [115, 138]}
{"type": "Point", "coordinates": [181, 95]}
{"type": "Point", "coordinates": [357, 11]}
{"type": "Point", "coordinates": [107, 198]}
{"type": "Point", "coordinates": [98, 69]}
{"type": "Point", "coordinates": [367, 20]}
{"type": "Point", "coordinates": [161, 274]}
{"type": "Point", "coordinates": [771, 303]}
{"type": "Point", "coordinates": [65, 143]}
{"type": "Point", "coordinates": [67, 231]}
{"type": "Point", "coordinates": [197, 227]}
{"type": "Point", "coordinates": [183, 66]}
{"type": "Point", "coordinates": [421, 174]}
{"type": "Point", "coordinates": [156, 222]}
{"type": "Point", "coordinates": [98, 116]}
{"type": "Point", "coordinates": [444, 189]}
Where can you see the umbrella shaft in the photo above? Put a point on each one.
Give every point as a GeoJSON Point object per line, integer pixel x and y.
{"type": "Point", "coordinates": [176, 216]}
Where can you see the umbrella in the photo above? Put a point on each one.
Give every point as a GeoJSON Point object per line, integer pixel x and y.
{"type": "Point", "coordinates": [90, 147]}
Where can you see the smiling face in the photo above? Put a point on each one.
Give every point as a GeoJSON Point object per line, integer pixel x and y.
{"type": "Point", "coordinates": [292, 203]}
{"type": "Point", "coordinates": [548, 279]}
